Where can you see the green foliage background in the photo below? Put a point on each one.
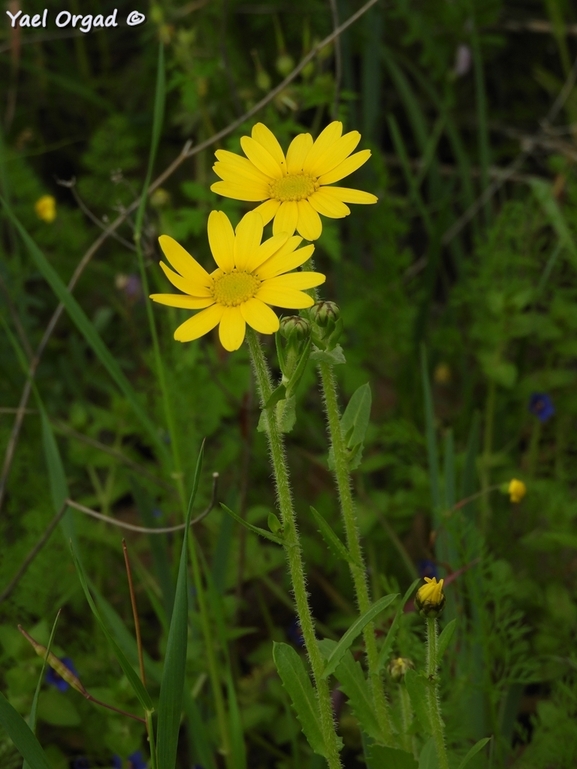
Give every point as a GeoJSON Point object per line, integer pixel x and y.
{"type": "Point", "coordinates": [450, 97]}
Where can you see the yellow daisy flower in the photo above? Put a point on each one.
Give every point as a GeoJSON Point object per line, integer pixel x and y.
{"type": "Point", "coordinates": [430, 598]}
{"type": "Point", "coordinates": [250, 276]}
{"type": "Point", "coordinates": [294, 188]}
{"type": "Point", "coordinates": [516, 490]}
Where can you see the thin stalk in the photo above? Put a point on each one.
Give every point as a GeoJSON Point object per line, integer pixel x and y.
{"type": "Point", "coordinates": [487, 451]}
{"type": "Point", "coordinates": [358, 570]}
{"type": "Point", "coordinates": [134, 613]}
{"type": "Point", "coordinates": [213, 671]}
{"type": "Point", "coordinates": [150, 732]}
{"type": "Point", "coordinates": [293, 552]}
{"type": "Point", "coordinates": [433, 704]}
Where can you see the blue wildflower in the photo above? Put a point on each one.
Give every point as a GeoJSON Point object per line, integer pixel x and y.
{"type": "Point", "coordinates": [295, 633]}
{"type": "Point", "coordinates": [427, 568]}
{"type": "Point", "coordinates": [54, 679]}
{"type": "Point", "coordinates": [542, 406]}
{"type": "Point", "coordinates": [134, 761]}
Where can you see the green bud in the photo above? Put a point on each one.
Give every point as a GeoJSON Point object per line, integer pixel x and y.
{"type": "Point", "coordinates": [295, 329]}
{"type": "Point", "coordinates": [284, 64]}
{"type": "Point", "coordinates": [274, 524]}
{"type": "Point", "coordinates": [325, 315]}
{"type": "Point", "coordinates": [398, 667]}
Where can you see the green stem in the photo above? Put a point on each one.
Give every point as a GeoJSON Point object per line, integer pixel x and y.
{"type": "Point", "coordinates": [409, 741]}
{"type": "Point", "coordinates": [151, 743]}
{"type": "Point", "coordinates": [293, 552]}
{"type": "Point", "coordinates": [487, 452]}
{"type": "Point", "coordinates": [433, 704]}
{"type": "Point", "coordinates": [358, 570]}
{"type": "Point", "coordinates": [213, 669]}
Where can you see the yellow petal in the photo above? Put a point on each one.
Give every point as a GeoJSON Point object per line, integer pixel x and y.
{"type": "Point", "coordinates": [239, 191]}
{"type": "Point", "coordinates": [221, 240]}
{"type": "Point", "coordinates": [232, 328]}
{"type": "Point", "coordinates": [286, 218]}
{"type": "Point", "coordinates": [266, 250]}
{"type": "Point", "coordinates": [346, 167]}
{"type": "Point", "coordinates": [267, 210]}
{"type": "Point", "coordinates": [327, 204]}
{"type": "Point", "coordinates": [298, 150]}
{"type": "Point", "coordinates": [237, 176]}
{"type": "Point", "coordinates": [261, 158]}
{"type": "Point", "coordinates": [335, 154]}
{"type": "Point", "coordinates": [242, 165]}
{"type": "Point", "coordinates": [186, 302]}
{"type": "Point", "coordinates": [191, 287]}
{"type": "Point", "coordinates": [296, 280]}
{"type": "Point", "coordinates": [285, 297]}
{"type": "Point", "coordinates": [284, 262]}
{"type": "Point", "coordinates": [200, 324]}
{"type": "Point", "coordinates": [247, 241]}
{"type": "Point", "coordinates": [309, 224]}
{"type": "Point", "coordinates": [324, 141]}
{"type": "Point", "coordinates": [259, 316]}
{"type": "Point", "coordinates": [346, 195]}
{"type": "Point", "coordinates": [182, 261]}
{"type": "Point", "coordinates": [265, 136]}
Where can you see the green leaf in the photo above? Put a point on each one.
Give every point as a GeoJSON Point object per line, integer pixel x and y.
{"type": "Point", "coordinates": [129, 672]}
{"type": "Point", "coordinates": [544, 194]}
{"type": "Point", "coordinates": [428, 758]}
{"type": "Point", "coordinates": [473, 752]}
{"type": "Point", "coordinates": [445, 638]}
{"type": "Point", "coordinates": [278, 394]}
{"type": "Point", "coordinates": [22, 736]}
{"type": "Point", "coordinates": [173, 675]}
{"type": "Point", "coordinates": [298, 685]}
{"type": "Point", "coordinates": [392, 632]}
{"type": "Point", "coordinates": [274, 524]}
{"type": "Point", "coordinates": [255, 529]}
{"type": "Point", "coordinates": [418, 688]}
{"type": "Point", "coordinates": [297, 374]}
{"type": "Point", "coordinates": [381, 757]}
{"type": "Point", "coordinates": [356, 629]}
{"type": "Point", "coordinates": [334, 357]}
{"type": "Point", "coordinates": [58, 710]}
{"type": "Point", "coordinates": [331, 539]}
{"type": "Point", "coordinates": [355, 420]}
{"type": "Point", "coordinates": [354, 684]}
{"type": "Point", "coordinates": [87, 329]}
{"type": "Point", "coordinates": [287, 414]}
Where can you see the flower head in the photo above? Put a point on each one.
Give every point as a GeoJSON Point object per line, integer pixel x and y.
{"type": "Point", "coordinates": [430, 598]}
{"type": "Point", "coordinates": [250, 276]}
{"type": "Point", "coordinates": [294, 188]}
{"type": "Point", "coordinates": [45, 208]}
{"type": "Point", "coordinates": [542, 406]}
{"type": "Point", "coordinates": [516, 490]}
{"type": "Point", "coordinates": [398, 667]}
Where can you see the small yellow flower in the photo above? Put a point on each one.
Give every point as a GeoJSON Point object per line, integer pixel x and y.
{"type": "Point", "coordinates": [442, 374]}
{"type": "Point", "coordinates": [516, 490]}
{"type": "Point", "coordinates": [430, 598]}
{"type": "Point", "coordinates": [250, 276]}
{"type": "Point", "coordinates": [294, 188]}
{"type": "Point", "coordinates": [45, 208]}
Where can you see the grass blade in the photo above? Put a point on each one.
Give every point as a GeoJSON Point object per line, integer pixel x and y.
{"type": "Point", "coordinates": [22, 736]}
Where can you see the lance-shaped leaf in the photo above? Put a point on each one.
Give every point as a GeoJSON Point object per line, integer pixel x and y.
{"type": "Point", "coordinates": [418, 687]}
{"type": "Point", "coordinates": [445, 638]}
{"type": "Point", "coordinates": [356, 629]}
{"type": "Point", "coordinates": [473, 752]}
{"type": "Point", "coordinates": [331, 539]}
{"type": "Point", "coordinates": [354, 684]}
{"type": "Point", "coordinates": [392, 632]}
{"type": "Point", "coordinates": [22, 736]}
{"type": "Point", "coordinates": [255, 529]}
{"type": "Point", "coordinates": [296, 681]}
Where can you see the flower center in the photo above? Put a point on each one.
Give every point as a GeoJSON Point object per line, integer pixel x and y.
{"type": "Point", "coordinates": [293, 187]}
{"type": "Point", "coordinates": [234, 288]}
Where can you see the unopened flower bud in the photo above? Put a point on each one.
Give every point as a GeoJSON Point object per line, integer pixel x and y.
{"type": "Point", "coordinates": [325, 315]}
{"type": "Point", "coordinates": [284, 64]}
{"type": "Point", "coordinates": [515, 489]}
{"type": "Point", "coordinates": [159, 198]}
{"type": "Point", "coordinates": [295, 328]}
{"type": "Point", "coordinates": [398, 667]}
{"type": "Point", "coordinates": [430, 599]}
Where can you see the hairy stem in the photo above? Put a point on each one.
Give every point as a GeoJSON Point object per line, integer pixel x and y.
{"type": "Point", "coordinates": [433, 704]}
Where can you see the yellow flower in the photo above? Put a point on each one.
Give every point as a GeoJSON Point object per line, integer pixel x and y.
{"type": "Point", "coordinates": [398, 667]}
{"type": "Point", "coordinates": [45, 208]}
{"type": "Point", "coordinates": [516, 490]}
{"type": "Point", "coordinates": [442, 374]}
{"type": "Point", "coordinates": [430, 598]}
{"type": "Point", "coordinates": [294, 187]}
{"type": "Point", "coordinates": [249, 277]}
